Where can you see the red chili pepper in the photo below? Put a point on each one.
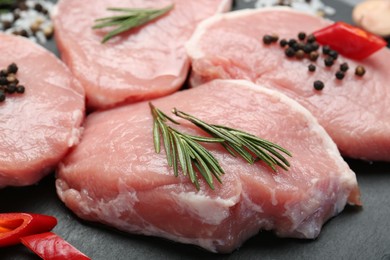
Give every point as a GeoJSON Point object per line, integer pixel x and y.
{"type": "Point", "coordinates": [350, 41]}
{"type": "Point", "coordinates": [13, 226]}
{"type": "Point", "coordinates": [49, 246]}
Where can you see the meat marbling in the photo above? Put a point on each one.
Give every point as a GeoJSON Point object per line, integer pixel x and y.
{"type": "Point", "coordinates": [38, 127]}
{"type": "Point", "coordinates": [145, 63]}
{"type": "Point", "coordinates": [354, 111]}
{"type": "Point", "coordinates": [141, 194]}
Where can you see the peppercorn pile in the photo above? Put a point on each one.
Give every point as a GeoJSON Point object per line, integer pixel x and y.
{"type": "Point", "coordinates": [28, 18]}
{"type": "Point", "coordinates": [9, 84]}
{"type": "Point", "coordinates": [306, 47]}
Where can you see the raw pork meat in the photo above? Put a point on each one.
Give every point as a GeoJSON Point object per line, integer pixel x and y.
{"type": "Point", "coordinates": [354, 111]}
{"type": "Point", "coordinates": [142, 64]}
{"type": "Point", "coordinates": [38, 127]}
{"type": "Point", "coordinates": [115, 177]}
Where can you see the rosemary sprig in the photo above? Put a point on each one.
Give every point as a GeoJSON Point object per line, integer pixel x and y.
{"type": "Point", "coordinates": [240, 143]}
{"type": "Point", "coordinates": [185, 150]}
{"type": "Point", "coordinates": [131, 18]}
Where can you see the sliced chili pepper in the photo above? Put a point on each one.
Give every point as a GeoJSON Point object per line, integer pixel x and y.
{"type": "Point", "coordinates": [350, 41]}
{"type": "Point", "coordinates": [49, 246]}
{"type": "Point", "coordinates": [13, 226]}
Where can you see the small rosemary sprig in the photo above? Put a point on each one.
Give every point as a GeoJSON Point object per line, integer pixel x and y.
{"type": "Point", "coordinates": [184, 149]}
{"type": "Point", "coordinates": [240, 143]}
{"type": "Point", "coordinates": [131, 18]}
{"type": "Point", "coordinates": [191, 155]}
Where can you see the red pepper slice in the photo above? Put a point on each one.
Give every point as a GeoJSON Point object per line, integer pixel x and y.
{"type": "Point", "coordinates": [350, 41]}
{"type": "Point", "coordinates": [49, 246]}
{"type": "Point", "coordinates": [13, 226]}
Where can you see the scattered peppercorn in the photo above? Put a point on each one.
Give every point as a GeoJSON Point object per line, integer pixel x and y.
{"type": "Point", "coordinates": [334, 54]}
{"type": "Point", "coordinates": [2, 96]}
{"type": "Point", "coordinates": [340, 75]}
{"type": "Point", "coordinates": [360, 71]}
{"type": "Point", "coordinates": [3, 81]}
{"type": "Point", "coordinates": [329, 61]}
{"type": "Point", "coordinates": [283, 43]}
{"type": "Point", "coordinates": [325, 49]}
{"type": "Point", "coordinates": [267, 39]}
{"type": "Point", "coordinates": [300, 54]}
{"type": "Point", "coordinates": [313, 56]}
{"type": "Point", "coordinates": [12, 68]}
{"type": "Point", "coordinates": [11, 88]}
{"type": "Point", "coordinates": [308, 48]}
{"type": "Point", "coordinates": [312, 67]}
{"type": "Point", "coordinates": [315, 46]}
{"type": "Point", "coordinates": [291, 42]}
{"type": "Point", "coordinates": [311, 38]}
{"type": "Point", "coordinates": [275, 37]}
{"type": "Point", "coordinates": [344, 67]}
{"type": "Point", "coordinates": [301, 36]}
{"type": "Point", "coordinates": [318, 85]}
{"type": "Point", "coordinates": [289, 52]}
{"type": "Point", "coordinates": [20, 89]}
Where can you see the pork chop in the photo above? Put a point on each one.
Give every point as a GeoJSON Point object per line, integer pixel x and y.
{"type": "Point", "coordinates": [115, 177]}
{"type": "Point", "coordinates": [354, 110]}
{"type": "Point", "coordinates": [142, 64]}
{"type": "Point", "coordinates": [39, 126]}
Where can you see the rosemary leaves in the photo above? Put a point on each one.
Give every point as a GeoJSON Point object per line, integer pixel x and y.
{"type": "Point", "coordinates": [129, 19]}
{"type": "Point", "coordinates": [185, 150]}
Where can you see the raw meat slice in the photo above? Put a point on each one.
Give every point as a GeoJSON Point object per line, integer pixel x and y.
{"type": "Point", "coordinates": [143, 64]}
{"type": "Point", "coordinates": [114, 176]}
{"type": "Point", "coordinates": [354, 111]}
{"type": "Point", "coordinates": [38, 127]}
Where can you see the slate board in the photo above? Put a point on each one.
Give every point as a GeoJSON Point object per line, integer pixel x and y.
{"type": "Point", "coordinates": [354, 234]}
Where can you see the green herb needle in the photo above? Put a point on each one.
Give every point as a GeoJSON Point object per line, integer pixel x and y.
{"type": "Point", "coordinates": [128, 19]}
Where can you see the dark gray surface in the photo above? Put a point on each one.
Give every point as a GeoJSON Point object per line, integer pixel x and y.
{"type": "Point", "coordinates": [354, 234]}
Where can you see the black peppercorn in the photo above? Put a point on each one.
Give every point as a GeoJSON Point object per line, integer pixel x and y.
{"type": "Point", "coordinates": [318, 85]}
{"type": "Point", "coordinates": [20, 89]}
{"type": "Point", "coordinates": [3, 73]}
{"type": "Point", "coordinates": [301, 36]}
{"type": "Point", "coordinates": [289, 52]}
{"type": "Point", "coordinates": [340, 75]}
{"type": "Point", "coordinates": [329, 61]}
{"type": "Point", "coordinates": [313, 56]}
{"type": "Point", "coordinates": [11, 88]}
{"type": "Point", "coordinates": [307, 48]}
{"type": "Point", "coordinates": [38, 7]}
{"type": "Point", "coordinates": [334, 54]}
{"type": "Point", "coordinates": [275, 37]}
{"type": "Point", "coordinates": [283, 43]}
{"type": "Point", "coordinates": [267, 39]}
{"type": "Point", "coordinates": [12, 68]}
{"type": "Point", "coordinates": [3, 81]}
{"type": "Point", "coordinates": [344, 67]}
{"type": "Point", "coordinates": [312, 67]}
{"type": "Point", "coordinates": [291, 42]}
{"type": "Point", "coordinates": [360, 71]}
{"type": "Point", "coordinates": [315, 46]}
{"type": "Point", "coordinates": [300, 54]}
{"type": "Point", "coordinates": [311, 38]}
{"type": "Point", "coordinates": [325, 49]}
